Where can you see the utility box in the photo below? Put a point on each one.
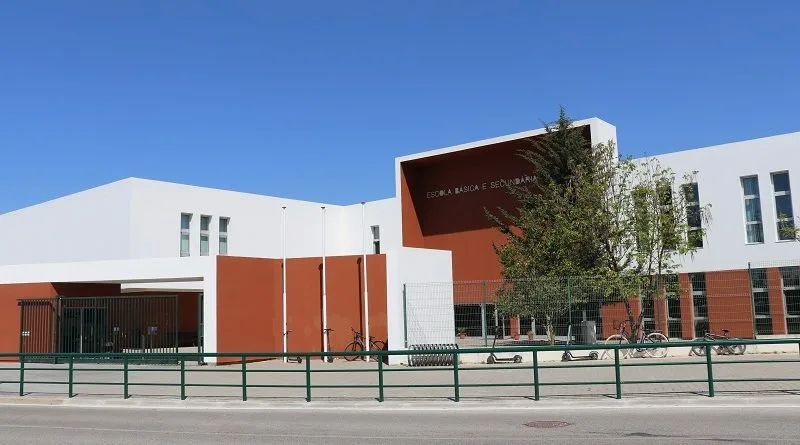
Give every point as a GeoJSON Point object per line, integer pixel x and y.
{"type": "Point", "coordinates": [587, 333]}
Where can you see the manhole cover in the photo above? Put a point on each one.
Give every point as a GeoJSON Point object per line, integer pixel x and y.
{"type": "Point", "coordinates": [547, 424]}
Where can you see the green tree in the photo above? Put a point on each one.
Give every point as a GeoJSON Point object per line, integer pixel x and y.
{"type": "Point", "coordinates": [546, 234]}
{"type": "Point", "coordinates": [616, 227]}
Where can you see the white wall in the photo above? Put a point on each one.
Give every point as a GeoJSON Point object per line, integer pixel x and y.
{"type": "Point", "coordinates": [430, 320]}
{"type": "Point", "coordinates": [255, 227]}
{"type": "Point", "coordinates": [87, 226]}
{"type": "Point", "coordinates": [720, 169]}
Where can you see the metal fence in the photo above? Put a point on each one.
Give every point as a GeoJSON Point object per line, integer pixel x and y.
{"type": "Point", "coordinates": [527, 382]}
{"type": "Point", "coordinates": [760, 301]}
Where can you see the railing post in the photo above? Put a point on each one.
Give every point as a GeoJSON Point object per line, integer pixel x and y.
{"type": "Point", "coordinates": [71, 380]}
{"type": "Point", "coordinates": [244, 378]}
{"type": "Point", "coordinates": [710, 372]}
{"type": "Point", "coordinates": [21, 375]}
{"type": "Point", "coordinates": [455, 377]}
{"type": "Point", "coordinates": [535, 375]}
{"type": "Point", "coordinates": [380, 377]}
{"type": "Point", "coordinates": [125, 394]}
{"type": "Point", "coordinates": [183, 378]}
{"type": "Point", "coordinates": [308, 378]}
{"type": "Point", "coordinates": [483, 317]}
{"type": "Point", "coordinates": [617, 373]}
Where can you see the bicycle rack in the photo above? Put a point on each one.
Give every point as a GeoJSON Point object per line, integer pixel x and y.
{"type": "Point", "coordinates": [431, 359]}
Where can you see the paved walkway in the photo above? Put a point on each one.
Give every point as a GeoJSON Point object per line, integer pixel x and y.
{"type": "Point", "coordinates": [337, 380]}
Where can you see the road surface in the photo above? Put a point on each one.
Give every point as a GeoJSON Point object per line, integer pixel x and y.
{"type": "Point", "coordinates": [46, 425]}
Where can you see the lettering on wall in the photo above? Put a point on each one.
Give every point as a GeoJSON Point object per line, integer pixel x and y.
{"type": "Point", "coordinates": [477, 186]}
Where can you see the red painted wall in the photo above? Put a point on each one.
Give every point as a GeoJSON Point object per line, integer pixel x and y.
{"type": "Point", "coordinates": [776, 307]}
{"type": "Point", "coordinates": [729, 303]}
{"type": "Point", "coordinates": [249, 302]}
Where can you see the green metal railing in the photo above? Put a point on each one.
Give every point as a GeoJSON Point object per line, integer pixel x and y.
{"type": "Point", "coordinates": [24, 363]}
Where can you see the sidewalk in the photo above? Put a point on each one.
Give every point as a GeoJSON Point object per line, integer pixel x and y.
{"type": "Point", "coordinates": [143, 381]}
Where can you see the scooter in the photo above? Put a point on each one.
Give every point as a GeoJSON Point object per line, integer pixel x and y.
{"type": "Point", "coordinates": [492, 358]}
{"type": "Point", "coordinates": [327, 332]}
{"type": "Point", "coordinates": [297, 359]}
{"type": "Point", "coordinates": [567, 355]}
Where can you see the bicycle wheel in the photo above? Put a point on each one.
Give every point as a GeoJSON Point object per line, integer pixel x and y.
{"type": "Point", "coordinates": [616, 339]}
{"type": "Point", "coordinates": [738, 349]}
{"type": "Point", "coordinates": [353, 347]}
{"type": "Point", "coordinates": [654, 350]}
{"type": "Point", "coordinates": [698, 350]}
{"type": "Point", "coordinates": [377, 346]}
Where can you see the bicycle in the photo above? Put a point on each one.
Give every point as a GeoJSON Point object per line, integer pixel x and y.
{"type": "Point", "coordinates": [721, 349]}
{"type": "Point", "coordinates": [649, 338]}
{"type": "Point", "coordinates": [357, 345]}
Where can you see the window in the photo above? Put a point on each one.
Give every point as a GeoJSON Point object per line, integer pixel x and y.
{"type": "Point", "coordinates": [674, 326]}
{"type": "Point", "coordinates": [223, 236]}
{"type": "Point", "coordinates": [699, 303]}
{"type": "Point", "coordinates": [758, 281]}
{"type": "Point", "coordinates": [648, 313]}
{"type": "Point", "coordinates": [205, 222]}
{"type": "Point", "coordinates": [186, 223]}
{"type": "Point", "coordinates": [784, 214]}
{"type": "Point", "coordinates": [376, 239]}
{"type": "Point", "coordinates": [667, 215]}
{"type": "Point", "coordinates": [790, 281]}
{"type": "Point", "coordinates": [752, 210]}
{"type": "Point", "coordinates": [693, 218]}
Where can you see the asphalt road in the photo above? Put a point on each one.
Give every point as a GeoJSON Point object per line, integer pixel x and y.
{"type": "Point", "coordinates": [44, 425]}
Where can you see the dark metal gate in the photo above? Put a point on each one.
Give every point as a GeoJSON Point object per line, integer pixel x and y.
{"type": "Point", "coordinates": [91, 325]}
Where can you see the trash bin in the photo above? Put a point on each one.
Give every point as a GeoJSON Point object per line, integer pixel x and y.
{"type": "Point", "coordinates": [587, 333]}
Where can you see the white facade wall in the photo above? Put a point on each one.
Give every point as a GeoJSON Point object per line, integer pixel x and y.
{"type": "Point", "coordinates": [86, 226]}
{"type": "Point", "coordinates": [719, 172]}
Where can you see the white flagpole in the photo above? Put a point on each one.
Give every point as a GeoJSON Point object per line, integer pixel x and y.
{"type": "Point", "coordinates": [324, 289]}
{"type": "Point", "coordinates": [366, 287]}
{"type": "Point", "coordinates": [285, 332]}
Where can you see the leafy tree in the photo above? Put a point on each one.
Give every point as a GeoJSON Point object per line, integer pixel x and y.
{"type": "Point", "coordinates": [617, 227]}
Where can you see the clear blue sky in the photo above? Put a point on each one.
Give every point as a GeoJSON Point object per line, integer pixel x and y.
{"type": "Point", "coordinates": [313, 100]}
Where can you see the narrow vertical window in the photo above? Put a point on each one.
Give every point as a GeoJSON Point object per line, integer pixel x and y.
{"type": "Point", "coordinates": [376, 239]}
{"type": "Point", "coordinates": [205, 223]}
{"type": "Point", "coordinates": [694, 222]}
{"type": "Point", "coordinates": [790, 283]}
{"type": "Point", "coordinates": [752, 210]}
{"type": "Point", "coordinates": [223, 236]}
{"type": "Point", "coordinates": [186, 223]}
{"type": "Point", "coordinates": [674, 326]}
{"type": "Point", "coordinates": [783, 205]}
{"type": "Point", "coordinates": [699, 303]}
{"type": "Point", "coordinates": [758, 281]}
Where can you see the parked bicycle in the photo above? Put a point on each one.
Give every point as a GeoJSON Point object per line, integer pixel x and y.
{"type": "Point", "coordinates": [722, 349]}
{"type": "Point", "coordinates": [648, 342]}
{"type": "Point", "coordinates": [357, 345]}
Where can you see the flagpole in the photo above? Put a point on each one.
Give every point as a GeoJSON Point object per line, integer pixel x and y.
{"type": "Point", "coordinates": [366, 286]}
{"type": "Point", "coordinates": [285, 332]}
{"type": "Point", "coordinates": [324, 290]}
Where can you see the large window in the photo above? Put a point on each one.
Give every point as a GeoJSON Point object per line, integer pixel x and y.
{"type": "Point", "coordinates": [186, 223]}
{"type": "Point", "coordinates": [223, 235]}
{"type": "Point", "coordinates": [205, 223]}
{"type": "Point", "coordinates": [783, 205]}
{"type": "Point", "coordinates": [694, 221]}
{"type": "Point", "coordinates": [752, 210]}
{"type": "Point", "coordinates": [790, 281]}
{"type": "Point", "coordinates": [648, 313]}
{"type": "Point", "coordinates": [758, 281]}
{"type": "Point", "coordinates": [376, 239]}
{"type": "Point", "coordinates": [699, 303]}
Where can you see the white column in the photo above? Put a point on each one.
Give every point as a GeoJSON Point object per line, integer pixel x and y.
{"type": "Point", "coordinates": [324, 289]}
{"type": "Point", "coordinates": [285, 331]}
{"type": "Point", "coordinates": [366, 287]}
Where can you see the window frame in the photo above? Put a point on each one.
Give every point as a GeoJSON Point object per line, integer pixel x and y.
{"type": "Point", "coordinates": [376, 239]}
{"type": "Point", "coordinates": [756, 197]}
{"type": "Point", "coordinates": [759, 284]}
{"type": "Point", "coordinates": [775, 195]}
{"type": "Point", "coordinates": [223, 235]}
{"type": "Point", "coordinates": [785, 288]}
{"type": "Point", "coordinates": [187, 232]}
{"type": "Point", "coordinates": [205, 235]}
{"type": "Point", "coordinates": [693, 204]}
